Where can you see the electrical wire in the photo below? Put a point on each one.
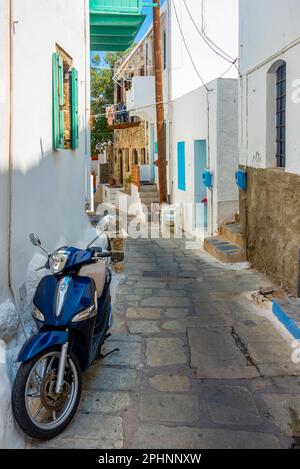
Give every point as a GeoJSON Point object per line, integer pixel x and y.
{"type": "Point", "coordinates": [208, 41]}
{"type": "Point", "coordinates": [227, 70]}
{"type": "Point", "coordinates": [187, 48]}
{"type": "Point", "coordinates": [131, 110]}
{"type": "Point", "coordinates": [208, 38]}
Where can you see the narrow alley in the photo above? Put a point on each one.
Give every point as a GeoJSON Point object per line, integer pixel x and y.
{"type": "Point", "coordinates": [150, 229]}
{"type": "Point", "coordinates": [197, 368]}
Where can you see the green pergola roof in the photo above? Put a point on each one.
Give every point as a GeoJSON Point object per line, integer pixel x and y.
{"type": "Point", "coordinates": [114, 23]}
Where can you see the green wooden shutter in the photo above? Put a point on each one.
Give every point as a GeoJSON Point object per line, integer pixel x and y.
{"type": "Point", "coordinates": [75, 121]}
{"type": "Point", "coordinates": [58, 101]}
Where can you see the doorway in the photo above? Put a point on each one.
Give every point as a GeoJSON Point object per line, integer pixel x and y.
{"type": "Point", "coordinates": [121, 171]}
{"type": "Point", "coordinates": [201, 200]}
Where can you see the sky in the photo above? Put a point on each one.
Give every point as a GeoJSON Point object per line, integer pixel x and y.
{"type": "Point", "coordinates": [148, 20]}
{"type": "Point", "coordinates": [149, 12]}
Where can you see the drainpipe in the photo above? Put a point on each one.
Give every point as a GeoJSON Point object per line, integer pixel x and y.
{"type": "Point", "coordinates": [10, 152]}
{"type": "Point", "coordinates": [211, 228]}
{"type": "Point", "coordinates": [87, 106]}
{"type": "Point", "coordinates": [10, 165]}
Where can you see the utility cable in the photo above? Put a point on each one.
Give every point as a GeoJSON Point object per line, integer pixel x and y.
{"type": "Point", "coordinates": [208, 38]}
{"type": "Point", "coordinates": [209, 42]}
{"type": "Point", "coordinates": [187, 48]}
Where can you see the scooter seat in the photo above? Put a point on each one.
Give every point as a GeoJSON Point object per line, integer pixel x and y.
{"type": "Point", "coordinates": [97, 272]}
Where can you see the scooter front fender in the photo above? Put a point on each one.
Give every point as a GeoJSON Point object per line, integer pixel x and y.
{"type": "Point", "coordinates": [40, 342]}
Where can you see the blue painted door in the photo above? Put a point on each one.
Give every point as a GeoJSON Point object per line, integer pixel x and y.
{"type": "Point", "coordinates": [181, 166]}
{"type": "Point", "coordinates": [152, 153]}
{"type": "Point", "coordinates": [201, 212]}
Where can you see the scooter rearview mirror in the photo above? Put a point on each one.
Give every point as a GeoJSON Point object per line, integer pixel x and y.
{"type": "Point", "coordinates": [37, 242]}
{"type": "Point", "coordinates": [34, 240]}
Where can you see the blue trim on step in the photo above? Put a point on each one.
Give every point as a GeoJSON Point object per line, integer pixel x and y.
{"type": "Point", "coordinates": [288, 323]}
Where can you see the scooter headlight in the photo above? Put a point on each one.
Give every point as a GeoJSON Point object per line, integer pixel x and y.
{"type": "Point", "coordinates": [37, 314]}
{"type": "Point", "coordinates": [86, 314]}
{"type": "Point", "coordinates": [58, 261]}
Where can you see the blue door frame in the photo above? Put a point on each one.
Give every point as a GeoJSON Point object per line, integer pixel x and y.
{"type": "Point", "coordinates": [181, 166]}
{"type": "Point", "coordinates": [200, 158]}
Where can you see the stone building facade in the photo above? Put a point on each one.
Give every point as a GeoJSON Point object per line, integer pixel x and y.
{"type": "Point", "coordinates": [270, 138]}
{"type": "Point", "coordinates": [131, 142]}
{"type": "Point", "coordinates": [130, 149]}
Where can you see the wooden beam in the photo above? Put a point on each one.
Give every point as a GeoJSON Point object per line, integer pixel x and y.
{"type": "Point", "coordinates": [125, 125]}
{"type": "Point", "coordinates": [160, 117]}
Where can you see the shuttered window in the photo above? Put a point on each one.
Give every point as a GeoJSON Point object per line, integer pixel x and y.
{"type": "Point", "coordinates": [181, 166]}
{"type": "Point", "coordinates": [65, 104]}
{"type": "Point", "coordinates": [58, 102]}
{"type": "Point", "coordinates": [75, 128]}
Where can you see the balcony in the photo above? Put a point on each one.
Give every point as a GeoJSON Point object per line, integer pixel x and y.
{"type": "Point", "coordinates": [140, 100]}
{"type": "Point", "coordinates": [114, 23]}
{"type": "Point", "coordinates": [118, 118]}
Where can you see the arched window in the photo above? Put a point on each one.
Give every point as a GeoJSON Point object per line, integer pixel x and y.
{"type": "Point", "coordinates": [143, 156]}
{"type": "Point", "coordinates": [135, 157]}
{"type": "Point", "coordinates": [281, 116]}
{"type": "Point", "coordinates": [276, 114]}
{"type": "Point", "coordinates": [127, 165]}
{"type": "Point", "coordinates": [120, 157]}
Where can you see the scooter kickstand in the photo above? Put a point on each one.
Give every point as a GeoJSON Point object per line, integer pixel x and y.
{"type": "Point", "coordinates": [107, 336]}
{"type": "Point", "coordinates": [101, 356]}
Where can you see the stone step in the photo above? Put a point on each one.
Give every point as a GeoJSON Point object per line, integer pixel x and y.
{"type": "Point", "coordinates": [232, 232]}
{"type": "Point", "coordinates": [148, 187]}
{"type": "Point", "coordinates": [149, 194]}
{"type": "Point", "coordinates": [148, 207]}
{"type": "Point", "coordinates": [151, 199]}
{"type": "Point", "coordinates": [225, 251]}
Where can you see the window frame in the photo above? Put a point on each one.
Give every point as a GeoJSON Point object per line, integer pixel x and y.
{"type": "Point", "coordinates": [181, 166]}
{"type": "Point", "coordinates": [58, 103]}
{"type": "Point", "coordinates": [281, 108]}
{"type": "Point", "coordinates": [165, 50]}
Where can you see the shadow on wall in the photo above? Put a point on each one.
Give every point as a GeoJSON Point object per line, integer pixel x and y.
{"type": "Point", "coordinates": [48, 199]}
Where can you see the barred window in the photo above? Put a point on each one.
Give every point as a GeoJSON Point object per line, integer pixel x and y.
{"type": "Point", "coordinates": [281, 116]}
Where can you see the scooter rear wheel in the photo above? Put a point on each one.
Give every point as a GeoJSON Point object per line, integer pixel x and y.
{"type": "Point", "coordinates": [38, 410]}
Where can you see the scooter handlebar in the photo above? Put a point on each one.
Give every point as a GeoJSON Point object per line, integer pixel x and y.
{"type": "Point", "coordinates": [104, 254]}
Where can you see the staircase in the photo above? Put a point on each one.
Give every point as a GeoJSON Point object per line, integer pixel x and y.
{"type": "Point", "coordinates": [229, 246]}
{"type": "Point", "coordinates": [148, 195]}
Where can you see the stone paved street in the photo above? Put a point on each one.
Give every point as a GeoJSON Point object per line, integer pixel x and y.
{"type": "Point", "coordinates": [196, 369]}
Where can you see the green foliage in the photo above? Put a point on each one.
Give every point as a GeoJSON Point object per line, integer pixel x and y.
{"type": "Point", "coordinates": [102, 95]}
{"type": "Point", "coordinates": [96, 59]}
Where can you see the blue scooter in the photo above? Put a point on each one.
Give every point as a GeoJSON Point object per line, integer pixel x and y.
{"type": "Point", "coordinates": [72, 310]}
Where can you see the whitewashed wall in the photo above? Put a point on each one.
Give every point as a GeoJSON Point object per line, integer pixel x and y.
{"type": "Point", "coordinates": [269, 32]}
{"type": "Point", "coordinates": [221, 26]}
{"type": "Point", "coordinates": [48, 186]}
{"type": "Point", "coordinates": [190, 123]}
{"type": "Point", "coordinates": [4, 141]}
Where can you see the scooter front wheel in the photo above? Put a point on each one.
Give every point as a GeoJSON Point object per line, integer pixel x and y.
{"type": "Point", "coordinates": [39, 411]}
